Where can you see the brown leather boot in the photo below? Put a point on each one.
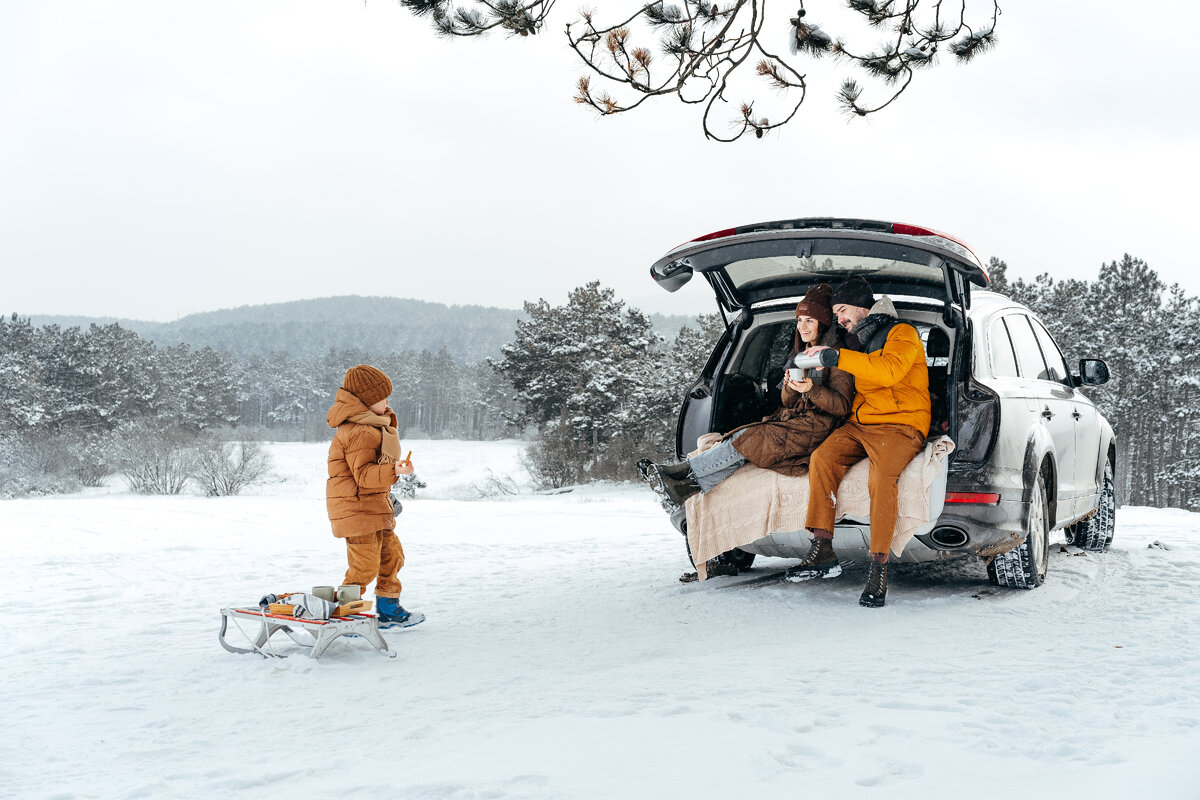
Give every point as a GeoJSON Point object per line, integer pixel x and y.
{"type": "Point", "coordinates": [876, 592]}
{"type": "Point", "coordinates": [820, 560]}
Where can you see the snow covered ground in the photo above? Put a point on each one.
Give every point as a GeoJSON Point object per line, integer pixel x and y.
{"type": "Point", "coordinates": [562, 658]}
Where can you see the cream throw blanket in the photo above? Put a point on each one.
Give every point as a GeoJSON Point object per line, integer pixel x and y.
{"type": "Point", "coordinates": [390, 447]}
{"type": "Point", "coordinates": [755, 502]}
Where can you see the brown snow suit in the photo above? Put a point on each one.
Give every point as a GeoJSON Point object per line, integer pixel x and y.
{"type": "Point", "coordinates": [357, 496]}
{"type": "Point", "coordinates": [888, 425]}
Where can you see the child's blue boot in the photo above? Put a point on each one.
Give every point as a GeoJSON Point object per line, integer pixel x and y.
{"type": "Point", "coordinates": [394, 615]}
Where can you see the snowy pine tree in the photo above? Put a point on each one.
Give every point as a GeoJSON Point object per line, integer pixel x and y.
{"type": "Point", "coordinates": [577, 369]}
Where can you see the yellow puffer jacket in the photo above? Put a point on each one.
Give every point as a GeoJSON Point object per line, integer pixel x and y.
{"type": "Point", "coordinates": [356, 493]}
{"type": "Point", "coordinates": [891, 384]}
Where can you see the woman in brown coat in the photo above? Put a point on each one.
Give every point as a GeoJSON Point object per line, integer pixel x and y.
{"type": "Point", "coordinates": [809, 411]}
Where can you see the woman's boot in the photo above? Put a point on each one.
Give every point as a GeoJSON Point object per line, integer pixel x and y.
{"type": "Point", "coordinates": [876, 592]}
{"type": "Point", "coordinates": [675, 483]}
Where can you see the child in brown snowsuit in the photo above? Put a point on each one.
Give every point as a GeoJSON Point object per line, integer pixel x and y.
{"type": "Point", "coordinates": [364, 462]}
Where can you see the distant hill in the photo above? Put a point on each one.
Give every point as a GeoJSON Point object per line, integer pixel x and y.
{"type": "Point", "coordinates": [371, 325]}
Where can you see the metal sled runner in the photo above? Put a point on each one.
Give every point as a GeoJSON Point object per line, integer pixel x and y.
{"type": "Point", "coordinates": [323, 632]}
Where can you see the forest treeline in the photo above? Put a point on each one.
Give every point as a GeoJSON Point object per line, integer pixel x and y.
{"type": "Point", "coordinates": [591, 383]}
{"type": "Point", "coordinates": [310, 329]}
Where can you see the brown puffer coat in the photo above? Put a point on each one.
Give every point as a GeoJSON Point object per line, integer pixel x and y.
{"type": "Point", "coordinates": [356, 493]}
{"type": "Point", "coordinates": [784, 440]}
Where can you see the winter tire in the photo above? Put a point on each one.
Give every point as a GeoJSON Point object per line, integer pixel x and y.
{"type": "Point", "coordinates": [688, 545]}
{"type": "Point", "coordinates": [736, 558]}
{"type": "Point", "coordinates": [739, 558]}
{"type": "Point", "coordinates": [1024, 567]}
{"type": "Point", "coordinates": [1096, 532]}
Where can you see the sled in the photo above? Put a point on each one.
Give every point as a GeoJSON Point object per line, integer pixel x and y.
{"type": "Point", "coordinates": [320, 632]}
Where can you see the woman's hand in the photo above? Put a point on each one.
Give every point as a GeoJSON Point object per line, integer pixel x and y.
{"type": "Point", "coordinates": [404, 468]}
{"type": "Point", "coordinates": [799, 386]}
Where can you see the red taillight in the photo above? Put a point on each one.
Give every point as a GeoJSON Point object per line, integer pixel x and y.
{"type": "Point", "coordinates": [917, 230]}
{"type": "Point", "coordinates": [708, 237]}
{"type": "Point", "coordinates": [980, 498]}
{"type": "Point", "coordinates": [913, 230]}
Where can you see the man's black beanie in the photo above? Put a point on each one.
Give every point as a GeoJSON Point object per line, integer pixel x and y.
{"type": "Point", "coordinates": [853, 291]}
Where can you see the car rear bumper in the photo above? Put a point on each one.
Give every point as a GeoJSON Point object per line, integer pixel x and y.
{"type": "Point", "coordinates": [984, 530]}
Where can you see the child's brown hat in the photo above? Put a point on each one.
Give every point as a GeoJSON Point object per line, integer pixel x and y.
{"type": "Point", "coordinates": [367, 384]}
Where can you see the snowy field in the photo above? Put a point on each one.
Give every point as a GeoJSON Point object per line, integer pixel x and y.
{"type": "Point", "coordinates": [562, 658]}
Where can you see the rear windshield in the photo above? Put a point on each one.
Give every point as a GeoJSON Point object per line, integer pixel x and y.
{"type": "Point", "coordinates": [787, 262]}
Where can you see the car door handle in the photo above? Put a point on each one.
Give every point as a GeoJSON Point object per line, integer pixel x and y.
{"type": "Point", "coordinates": [1047, 413]}
{"type": "Point", "coordinates": [1076, 414]}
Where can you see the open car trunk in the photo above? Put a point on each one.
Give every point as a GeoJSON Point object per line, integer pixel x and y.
{"type": "Point", "coordinates": [767, 262]}
{"type": "Point", "coordinates": [756, 271]}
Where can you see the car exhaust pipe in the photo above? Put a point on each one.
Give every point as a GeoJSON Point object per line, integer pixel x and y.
{"type": "Point", "coordinates": [949, 537]}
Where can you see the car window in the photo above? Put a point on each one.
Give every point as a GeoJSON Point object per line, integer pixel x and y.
{"type": "Point", "coordinates": [936, 343]}
{"type": "Point", "coordinates": [781, 345]}
{"type": "Point", "coordinates": [764, 352]}
{"type": "Point", "coordinates": [1004, 363]}
{"type": "Point", "coordinates": [1029, 355]}
{"type": "Point", "coordinates": [1055, 363]}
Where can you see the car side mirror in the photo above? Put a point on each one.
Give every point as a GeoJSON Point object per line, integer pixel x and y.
{"type": "Point", "coordinates": [1093, 372]}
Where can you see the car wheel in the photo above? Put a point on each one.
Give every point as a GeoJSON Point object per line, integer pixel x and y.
{"type": "Point", "coordinates": [739, 558]}
{"type": "Point", "coordinates": [688, 545]}
{"type": "Point", "coordinates": [1024, 567]}
{"type": "Point", "coordinates": [728, 563]}
{"type": "Point", "coordinates": [1096, 532]}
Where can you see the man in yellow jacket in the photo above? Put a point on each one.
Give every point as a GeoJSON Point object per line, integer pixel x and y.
{"type": "Point", "coordinates": [888, 422]}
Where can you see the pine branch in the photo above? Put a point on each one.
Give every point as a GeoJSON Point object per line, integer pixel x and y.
{"type": "Point", "coordinates": [704, 48]}
{"type": "Point", "coordinates": [973, 44]}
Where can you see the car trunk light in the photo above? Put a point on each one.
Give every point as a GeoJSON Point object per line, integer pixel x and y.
{"type": "Point", "coordinates": [708, 237]}
{"type": "Point", "coordinates": [983, 498]}
{"type": "Point", "coordinates": [913, 230]}
{"type": "Point", "coordinates": [917, 230]}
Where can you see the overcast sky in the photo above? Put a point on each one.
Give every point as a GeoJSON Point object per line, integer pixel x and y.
{"type": "Point", "coordinates": [163, 158]}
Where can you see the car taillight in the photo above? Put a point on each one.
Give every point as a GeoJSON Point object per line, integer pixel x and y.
{"type": "Point", "coordinates": [708, 237]}
{"type": "Point", "coordinates": [913, 230]}
{"type": "Point", "coordinates": [917, 230]}
{"type": "Point", "coordinates": [715, 234]}
{"type": "Point", "coordinates": [980, 498]}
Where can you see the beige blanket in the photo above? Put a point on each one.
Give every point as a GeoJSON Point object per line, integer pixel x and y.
{"type": "Point", "coordinates": [754, 502]}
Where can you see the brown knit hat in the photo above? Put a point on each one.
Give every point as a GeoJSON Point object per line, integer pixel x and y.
{"type": "Point", "coordinates": [367, 384]}
{"type": "Point", "coordinates": [816, 304]}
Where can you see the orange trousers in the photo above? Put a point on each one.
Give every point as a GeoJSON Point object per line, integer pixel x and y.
{"type": "Point", "coordinates": [375, 557]}
{"type": "Point", "coordinates": [889, 447]}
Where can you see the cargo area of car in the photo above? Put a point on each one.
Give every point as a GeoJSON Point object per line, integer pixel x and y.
{"type": "Point", "coordinates": [750, 379]}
